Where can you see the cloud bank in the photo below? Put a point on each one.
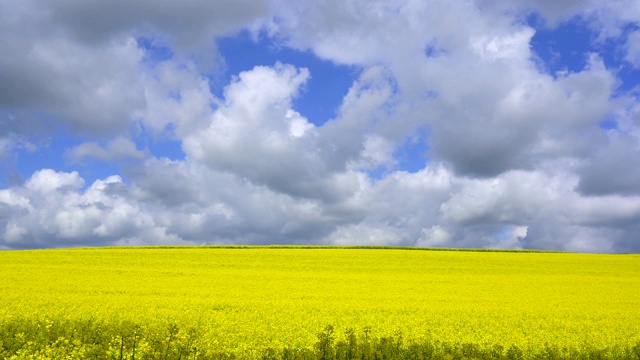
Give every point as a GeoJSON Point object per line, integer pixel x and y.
{"type": "Point", "coordinates": [513, 155]}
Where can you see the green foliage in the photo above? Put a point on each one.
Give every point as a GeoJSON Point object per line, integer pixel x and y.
{"type": "Point", "coordinates": [47, 339]}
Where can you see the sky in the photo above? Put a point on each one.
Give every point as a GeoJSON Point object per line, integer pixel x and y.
{"type": "Point", "coordinates": [431, 123]}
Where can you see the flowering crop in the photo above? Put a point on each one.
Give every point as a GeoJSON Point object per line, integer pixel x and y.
{"type": "Point", "coordinates": [220, 302]}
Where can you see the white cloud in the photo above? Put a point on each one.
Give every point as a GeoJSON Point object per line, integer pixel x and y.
{"type": "Point", "coordinates": [52, 209]}
{"type": "Point", "coordinates": [117, 149]}
{"type": "Point", "coordinates": [92, 90]}
{"type": "Point", "coordinates": [633, 49]}
{"type": "Point", "coordinates": [11, 199]}
{"type": "Point", "coordinates": [256, 134]}
{"type": "Point", "coordinates": [183, 202]}
{"type": "Point", "coordinates": [188, 27]}
{"type": "Point", "coordinates": [178, 100]}
{"type": "Point", "coordinates": [613, 167]}
{"type": "Point", "coordinates": [434, 236]}
{"type": "Point", "coordinates": [80, 62]}
{"type": "Point", "coordinates": [48, 181]}
{"type": "Point", "coordinates": [511, 46]}
{"type": "Point", "coordinates": [553, 12]}
{"type": "Point", "coordinates": [516, 155]}
{"type": "Point", "coordinates": [377, 151]}
{"type": "Point", "coordinates": [197, 203]}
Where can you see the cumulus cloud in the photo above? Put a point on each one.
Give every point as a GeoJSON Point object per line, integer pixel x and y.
{"type": "Point", "coordinates": [517, 157]}
{"type": "Point", "coordinates": [80, 62]}
{"type": "Point", "coordinates": [89, 89]}
{"type": "Point", "coordinates": [117, 149]}
{"type": "Point", "coordinates": [256, 134]}
{"type": "Point", "coordinates": [188, 26]}
{"type": "Point", "coordinates": [633, 49]}
{"type": "Point", "coordinates": [532, 118]}
{"type": "Point", "coordinates": [614, 168]}
{"type": "Point", "coordinates": [53, 209]}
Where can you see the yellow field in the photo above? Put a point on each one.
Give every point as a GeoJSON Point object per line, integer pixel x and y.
{"type": "Point", "coordinates": [255, 302]}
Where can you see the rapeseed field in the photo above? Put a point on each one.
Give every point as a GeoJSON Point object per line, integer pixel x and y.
{"type": "Point", "coordinates": [317, 303]}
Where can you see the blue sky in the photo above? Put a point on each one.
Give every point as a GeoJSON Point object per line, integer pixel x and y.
{"type": "Point", "coordinates": [315, 122]}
